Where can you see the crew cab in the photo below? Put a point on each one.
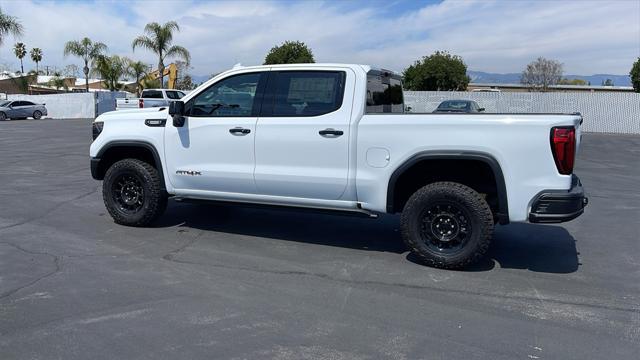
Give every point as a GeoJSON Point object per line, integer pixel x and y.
{"type": "Point", "coordinates": [149, 98]}
{"type": "Point", "coordinates": [336, 137]}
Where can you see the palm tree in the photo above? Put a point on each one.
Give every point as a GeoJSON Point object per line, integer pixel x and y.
{"type": "Point", "coordinates": [9, 25]}
{"type": "Point", "coordinates": [138, 69]}
{"type": "Point", "coordinates": [21, 51]}
{"type": "Point", "coordinates": [88, 50]}
{"type": "Point", "coordinates": [58, 82]}
{"type": "Point", "coordinates": [36, 56]}
{"type": "Point", "coordinates": [159, 41]}
{"type": "Point", "coordinates": [111, 69]}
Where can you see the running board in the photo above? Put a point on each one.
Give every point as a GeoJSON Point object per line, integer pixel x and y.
{"type": "Point", "coordinates": [276, 206]}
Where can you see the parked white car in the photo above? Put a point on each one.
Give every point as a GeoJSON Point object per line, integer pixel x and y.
{"type": "Point", "coordinates": [150, 98]}
{"type": "Point", "coordinates": [335, 137]}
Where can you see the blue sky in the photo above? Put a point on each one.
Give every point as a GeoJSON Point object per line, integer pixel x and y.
{"type": "Point", "coordinates": [491, 35]}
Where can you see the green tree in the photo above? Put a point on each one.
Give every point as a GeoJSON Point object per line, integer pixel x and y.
{"type": "Point", "coordinates": [20, 50]}
{"type": "Point", "coordinates": [111, 69]}
{"type": "Point", "coordinates": [138, 70]}
{"type": "Point", "coordinates": [158, 39]}
{"type": "Point", "coordinates": [439, 71]}
{"type": "Point", "coordinates": [635, 75]}
{"type": "Point", "coordinates": [573, 82]}
{"type": "Point", "coordinates": [542, 73]}
{"type": "Point", "coordinates": [58, 82]}
{"type": "Point", "coordinates": [290, 52]}
{"type": "Point", "coordinates": [9, 25]}
{"type": "Point", "coordinates": [88, 51]}
{"type": "Point", "coordinates": [36, 56]}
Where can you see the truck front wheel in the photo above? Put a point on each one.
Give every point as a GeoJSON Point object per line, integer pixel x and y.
{"type": "Point", "coordinates": [132, 192]}
{"type": "Point", "coordinates": [447, 224]}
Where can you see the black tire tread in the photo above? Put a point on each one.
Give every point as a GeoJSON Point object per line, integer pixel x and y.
{"type": "Point", "coordinates": [158, 196]}
{"type": "Point", "coordinates": [479, 207]}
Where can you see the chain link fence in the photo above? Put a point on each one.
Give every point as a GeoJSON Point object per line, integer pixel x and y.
{"type": "Point", "coordinates": [604, 112]}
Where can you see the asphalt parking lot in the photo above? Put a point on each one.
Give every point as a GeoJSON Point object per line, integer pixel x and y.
{"type": "Point", "coordinates": [220, 282]}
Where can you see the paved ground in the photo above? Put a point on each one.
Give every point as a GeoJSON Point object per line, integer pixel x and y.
{"type": "Point", "coordinates": [215, 282]}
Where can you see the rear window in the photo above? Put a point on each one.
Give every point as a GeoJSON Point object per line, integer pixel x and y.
{"type": "Point", "coordinates": [384, 92]}
{"type": "Point", "coordinates": [175, 95]}
{"type": "Point", "coordinates": [152, 94]}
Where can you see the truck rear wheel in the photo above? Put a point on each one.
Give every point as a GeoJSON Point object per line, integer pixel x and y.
{"type": "Point", "coordinates": [447, 224]}
{"type": "Point", "coordinates": [132, 193]}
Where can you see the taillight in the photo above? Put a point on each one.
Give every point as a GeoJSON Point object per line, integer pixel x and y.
{"type": "Point", "coordinates": [140, 103]}
{"type": "Point", "coordinates": [563, 146]}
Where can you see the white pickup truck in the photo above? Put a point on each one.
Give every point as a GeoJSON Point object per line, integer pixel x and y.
{"type": "Point", "coordinates": [336, 137]}
{"type": "Point", "coordinates": [150, 98]}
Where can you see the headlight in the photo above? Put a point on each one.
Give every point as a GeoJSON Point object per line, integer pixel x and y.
{"type": "Point", "coordinates": [96, 129]}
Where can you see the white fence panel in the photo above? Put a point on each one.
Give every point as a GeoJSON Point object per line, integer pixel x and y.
{"type": "Point", "coordinates": [608, 112]}
{"type": "Point", "coordinates": [63, 106]}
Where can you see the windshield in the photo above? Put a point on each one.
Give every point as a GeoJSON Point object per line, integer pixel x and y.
{"type": "Point", "coordinates": [4, 103]}
{"type": "Point", "coordinates": [454, 105]}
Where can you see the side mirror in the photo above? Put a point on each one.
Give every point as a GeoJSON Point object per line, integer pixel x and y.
{"type": "Point", "coordinates": [176, 110]}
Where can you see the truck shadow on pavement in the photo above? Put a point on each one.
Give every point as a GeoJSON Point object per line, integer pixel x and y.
{"type": "Point", "coordinates": [539, 248]}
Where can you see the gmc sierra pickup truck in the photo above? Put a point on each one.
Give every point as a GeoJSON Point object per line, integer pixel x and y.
{"type": "Point", "coordinates": [337, 137]}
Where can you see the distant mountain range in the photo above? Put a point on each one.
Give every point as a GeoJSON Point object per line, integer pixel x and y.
{"type": "Point", "coordinates": [514, 78]}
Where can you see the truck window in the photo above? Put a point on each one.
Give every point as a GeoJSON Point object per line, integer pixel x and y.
{"type": "Point", "coordinates": [152, 94]}
{"type": "Point", "coordinates": [307, 93]}
{"type": "Point", "coordinates": [384, 92]}
{"type": "Point", "coordinates": [174, 95]}
{"type": "Point", "coordinates": [233, 96]}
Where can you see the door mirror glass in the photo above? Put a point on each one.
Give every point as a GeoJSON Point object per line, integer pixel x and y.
{"type": "Point", "coordinates": [176, 108]}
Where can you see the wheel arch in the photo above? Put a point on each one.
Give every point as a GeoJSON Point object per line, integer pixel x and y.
{"type": "Point", "coordinates": [120, 149]}
{"type": "Point", "coordinates": [453, 156]}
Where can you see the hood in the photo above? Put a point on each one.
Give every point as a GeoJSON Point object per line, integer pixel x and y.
{"type": "Point", "coordinates": [144, 113]}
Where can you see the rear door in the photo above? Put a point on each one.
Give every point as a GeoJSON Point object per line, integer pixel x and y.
{"type": "Point", "coordinates": [302, 137]}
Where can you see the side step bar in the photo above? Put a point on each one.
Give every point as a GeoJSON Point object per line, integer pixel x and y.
{"type": "Point", "coordinates": [359, 212]}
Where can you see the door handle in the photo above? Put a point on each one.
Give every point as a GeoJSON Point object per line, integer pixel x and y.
{"type": "Point", "coordinates": [239, 131]}
{"type": "Point", "coordinates": [330, 132]}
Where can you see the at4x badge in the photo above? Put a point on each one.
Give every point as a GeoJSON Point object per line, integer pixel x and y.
{"type": "Point", "coordinates": [188, 172]}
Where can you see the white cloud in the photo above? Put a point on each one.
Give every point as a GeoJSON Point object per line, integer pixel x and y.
{"type": "Point", "coordinates": [498, 36]}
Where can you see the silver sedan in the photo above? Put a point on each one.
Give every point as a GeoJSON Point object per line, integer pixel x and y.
{"type": "Point", "coordinates": [21, 109]}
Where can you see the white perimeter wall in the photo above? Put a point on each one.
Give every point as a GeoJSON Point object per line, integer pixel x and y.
{"type": "Point", "coordinates": [63, 106]}
{"type": "Point", "coordinates": [608, 112]}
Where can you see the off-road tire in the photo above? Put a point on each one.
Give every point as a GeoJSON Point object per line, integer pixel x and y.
{"type": "Point", "coordinates": [154, 197]}
{"type": "Point", "coordinates": [37, 114]}
{"type": "Point", "coordinates": [475, 213]}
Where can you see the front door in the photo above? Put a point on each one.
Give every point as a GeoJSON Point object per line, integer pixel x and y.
{"type": "Point", "coordinates": [214, 150]}
{"type": "Point", "coordinates": [302, 139]}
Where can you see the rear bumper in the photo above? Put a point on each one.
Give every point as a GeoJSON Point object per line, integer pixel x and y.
{"type": "Point", "coordinates": [554, 206]}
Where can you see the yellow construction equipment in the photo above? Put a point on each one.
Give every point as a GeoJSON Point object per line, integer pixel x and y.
{"type": "Point", "coordinates": [171, 70]}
